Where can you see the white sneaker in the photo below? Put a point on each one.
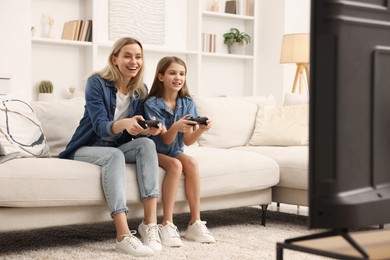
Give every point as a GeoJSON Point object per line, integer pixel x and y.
{"type": "Point", "coordinates": [133, 246]}
{"type": "Point", "coordinates": [150, 236]}
{"type": "Point", "coordinates": [170, 235]}
{"type": "Point", "coordinates": [198, 232]}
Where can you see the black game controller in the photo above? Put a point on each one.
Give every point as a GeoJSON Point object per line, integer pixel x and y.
{"type": "Point", "coordinates": [148, 123]}
{"type": "Point", "coordinates": [199, 120]}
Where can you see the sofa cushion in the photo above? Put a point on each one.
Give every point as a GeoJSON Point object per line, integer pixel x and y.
{"type": "Point", "coordinates": [293, 162]}
{"type": "Point", "coordinates": [21, 133]}
{"type": "Point", "coordinates": [226, 171]}
{"type": "Point", "coordinates": [39, 182]}
{"type": "Point", "coordinates": [283, 125]}
{"type": "Point", "coordinates": [33, 182]}
{"type": "Point", "coordinates": [233, 119]}
{"type": "Point", "coordinates": [59, 121]}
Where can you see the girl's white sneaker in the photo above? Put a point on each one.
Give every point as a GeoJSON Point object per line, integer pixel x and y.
{"type": "Point", "coordinates": [198, 232]}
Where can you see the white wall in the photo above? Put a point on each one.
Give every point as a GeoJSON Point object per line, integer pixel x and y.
{"type": "Point", "coordinates": [15, 45]}
{"type": "Point", "coordinates": [296, 20]}
{"type": "Point", "coordinates": [271, 32]}
{"type": "Point", "coordinates": [277, 17]}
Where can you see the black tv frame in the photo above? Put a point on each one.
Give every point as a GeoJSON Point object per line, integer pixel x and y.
{"type": "Point", "coordinates": [349, 153]}
{"type": "Point", "coordinates": [349, 150]}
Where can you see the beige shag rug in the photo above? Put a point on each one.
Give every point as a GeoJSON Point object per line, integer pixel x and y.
{"type": "Point", "coordinates": [238, 232]}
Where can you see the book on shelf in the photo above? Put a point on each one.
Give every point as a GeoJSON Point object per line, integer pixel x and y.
{"type": "Point", "coordinates": [82, 26]}
{"type": "Point", "coordinates": [231, 7]}
{"type": "Point", "coordinates": [249, 7]}
{"type": "Point", "coordinates": [69, 30]}
{"type": "Point", "coordinates": [240, 7]}
{"type": "Point", "coordinates": [77, 30]}
{"type": "Point", "coordinates": [84, 30]}
{"type": "Point", "coordinates": [208, 42]}
{"type": "Point", "coordinates": [88, 36]}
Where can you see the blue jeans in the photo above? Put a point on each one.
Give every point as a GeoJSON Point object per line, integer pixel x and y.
{"type": "Point", "coordinates": [112, 160]}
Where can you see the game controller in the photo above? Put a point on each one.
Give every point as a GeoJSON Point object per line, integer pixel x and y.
{"type": "Point", "coordinates": [148, 123]}
{"type": "Point", "coordinates": [199, 120]}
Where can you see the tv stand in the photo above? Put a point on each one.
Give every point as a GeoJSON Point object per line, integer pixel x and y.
{"type": "Point", "coordinates": [340, 244]}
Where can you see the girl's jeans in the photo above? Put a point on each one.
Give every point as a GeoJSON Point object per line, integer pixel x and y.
{"type": "Point", "coordinates": [112, 160]}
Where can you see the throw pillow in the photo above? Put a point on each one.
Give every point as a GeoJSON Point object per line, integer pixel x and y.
{"type": "Point", "coordinates": [281, 126]}
{"type": "Point", "coordinates": [59, 121]}
{"type": "Point", "coordinates": [295, 99]}
{"type": "Point", "coordinates": [21, 133]}
{"type": "Point", "coordinates": [233, 119]}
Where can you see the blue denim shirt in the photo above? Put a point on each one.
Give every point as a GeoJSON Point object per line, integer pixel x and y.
{"type": "Point", "coordinates": [156, 107]}
{"type": "Point", "coordinates": [98, 118]}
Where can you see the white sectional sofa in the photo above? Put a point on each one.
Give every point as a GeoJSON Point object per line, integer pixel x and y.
{"type": "Point", "coordinates": [42, 192]}
{"type": "Point", "coordinates": [281, 134]}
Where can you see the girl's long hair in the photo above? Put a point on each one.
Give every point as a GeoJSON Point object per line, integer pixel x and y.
{"type": "Point", "coordinates": [112, 73]}
{"type": "Point", "coordinates": [157, 89]}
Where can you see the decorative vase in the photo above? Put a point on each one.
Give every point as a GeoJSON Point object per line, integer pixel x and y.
{"type": "Point", "coordinates": [214, 7]}
{"type": "Point", "coordinates": [45, 96]}
{"type": "Point", "coordinates": [50, 32]}
{"type": "Point", "coordinates": [237, 48]}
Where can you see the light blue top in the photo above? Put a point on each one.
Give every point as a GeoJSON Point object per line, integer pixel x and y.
{"type": "Point", "coordinates": [156, 107]}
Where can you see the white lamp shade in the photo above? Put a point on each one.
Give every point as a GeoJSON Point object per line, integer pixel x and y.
{"type": "Point", "coordinates": [295, 48]}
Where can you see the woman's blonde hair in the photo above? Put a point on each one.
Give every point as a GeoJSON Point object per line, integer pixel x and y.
{"type": "Point", "coordinates": [157, 89]}
{"type": "Point", "coordinates": [112, 73]}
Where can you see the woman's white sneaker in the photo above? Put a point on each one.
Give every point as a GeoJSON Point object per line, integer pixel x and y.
{"type": "Point", "coordinates": [133, 246]}
{"type": "Point", "coordinates": [198, 232]}
{"type": "Point", "coordinates": [170, 235]}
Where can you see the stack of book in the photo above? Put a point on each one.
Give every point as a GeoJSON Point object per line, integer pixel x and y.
{"type": "Point", "coordinates": [78, 30]}
{"type": "Point", "coordinates": [208, 42]}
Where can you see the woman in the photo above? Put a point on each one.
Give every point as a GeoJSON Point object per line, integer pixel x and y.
{"type": "Point", "coordinates": [109, 136]}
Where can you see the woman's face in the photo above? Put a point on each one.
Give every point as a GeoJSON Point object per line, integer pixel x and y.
{"type": "Point", "coordinates": [129, 60]}
{"type": "Point", "coordinates": [174, 77]}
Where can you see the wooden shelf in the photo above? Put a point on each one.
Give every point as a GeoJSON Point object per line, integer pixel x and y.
{"type": "Point", "coordinates": [227, 16]}
{"type": "Point", "coordinates": [227, 56]}
{"type": "Point", "coordinates": [60, 42]}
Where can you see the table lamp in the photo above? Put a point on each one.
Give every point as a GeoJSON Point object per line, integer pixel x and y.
{"type": "Point", "coordinates": [295, 49]}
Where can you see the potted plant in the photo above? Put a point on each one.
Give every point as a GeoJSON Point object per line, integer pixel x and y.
{"type": "Point", "coordinates": [45, 90]}
{"type": "Point", "coordinates": [236, 40]}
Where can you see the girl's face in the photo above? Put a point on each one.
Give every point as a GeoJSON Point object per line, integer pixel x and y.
{"type": "Point", "coordinates": [174, 77]}
{"type": "Point", "coordinates": [129, 60]}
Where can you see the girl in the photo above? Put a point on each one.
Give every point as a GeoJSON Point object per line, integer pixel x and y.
{"type": "Point", "coordinates": [170, 103]}
{"type": "Point", "coordinates": [107, 136]}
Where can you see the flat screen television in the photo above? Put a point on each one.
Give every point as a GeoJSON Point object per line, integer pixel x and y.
{"type": "Point", "coordinates": [349, 151]}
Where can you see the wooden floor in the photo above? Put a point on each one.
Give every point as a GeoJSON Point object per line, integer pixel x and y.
{"type": "Point", "coordinates": [376, 243]}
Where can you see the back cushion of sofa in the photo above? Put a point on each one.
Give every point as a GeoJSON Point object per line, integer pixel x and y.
{"type": "Point", "coordinates": [233, 119]}
{"type": "Point", "coordinates": [59, 120]}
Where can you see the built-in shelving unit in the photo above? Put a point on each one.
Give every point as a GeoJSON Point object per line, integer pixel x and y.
{"type": "Point", "coordinates": [67, 63]}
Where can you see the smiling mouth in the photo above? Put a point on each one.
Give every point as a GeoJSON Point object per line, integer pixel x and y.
{"type": "Point", "coordinates": [132, 68]}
